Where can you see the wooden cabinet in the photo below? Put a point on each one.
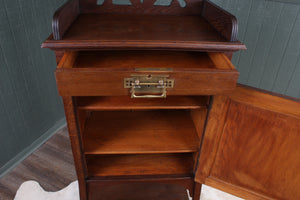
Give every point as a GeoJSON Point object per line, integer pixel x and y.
{"type": "Point", "coordinates": [153, 109]}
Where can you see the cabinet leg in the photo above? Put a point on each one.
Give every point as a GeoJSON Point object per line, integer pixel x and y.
{"type": "Point", "coordinates": [197, 191]}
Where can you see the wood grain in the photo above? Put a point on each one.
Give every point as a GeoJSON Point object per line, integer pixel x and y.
{"type": "Point", "coordinates": [75, 138]}
{"type": "Point", "coordinates": [106, 31]}
{"type": "Point", "coordinates": [238, 191]}
{"type": "Point", "coordinates": [127, 103]}
{"type": "Point", "coordinates": [140, 165]}
{"type": "Point", "coordinates": [268, 100]}
{"type": "Point", "coordinates": [141, 142]}
{"type": "Point", "coordinates": [213, 132]}
{"type": "Point", "coordinates": [105, 79]}
{"type": "Point", "coordinates": [123, 132]}
{"type": "Point", "coordinates": [260, 151]}
{"type": "Point", "coordinates": [199, 119]}
{"type": "Point", "coordinates": [257, 155]}
{"type": "Point", "coordinates": [128, 60]}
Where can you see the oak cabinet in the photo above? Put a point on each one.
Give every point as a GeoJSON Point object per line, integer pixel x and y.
{"type": "Point", "coordinates": [153, 109]}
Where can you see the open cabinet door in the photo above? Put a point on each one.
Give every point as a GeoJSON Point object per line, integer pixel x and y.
{"type": "Point", "coordinates": [251, 146]}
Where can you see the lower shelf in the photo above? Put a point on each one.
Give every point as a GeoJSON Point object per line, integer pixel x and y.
{"type": "Point", "coordinates": [140, 132]}
{"type": "Point", "coordinates": [137, 191]}
{"type": "Point", "coordinates": [140, 165]}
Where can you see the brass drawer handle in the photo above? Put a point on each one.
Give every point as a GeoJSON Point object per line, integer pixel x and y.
{"type": "Point", "coordinates": [148, 86]}
{"type": "Point", "coordinates": [163, 95]}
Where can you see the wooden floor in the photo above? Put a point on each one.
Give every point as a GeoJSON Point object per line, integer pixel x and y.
{"type": "Point", "coordinates": [51, 165]}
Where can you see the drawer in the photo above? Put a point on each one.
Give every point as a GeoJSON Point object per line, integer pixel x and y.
{"type": "Point", "coordinates": [104, 73]}
{"type": "Point", "coordinates": [137, 189]}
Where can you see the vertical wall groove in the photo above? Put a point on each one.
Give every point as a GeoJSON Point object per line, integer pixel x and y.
{"type": "Point", "coordinates": [29, 103]}
{"type": "Point", "coordinates": [272, 37]}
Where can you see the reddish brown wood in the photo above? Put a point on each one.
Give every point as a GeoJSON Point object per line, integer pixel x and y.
{"type": "Point", "coordinates": [127, 103]}
{"type": "Point", "coordinates": [104, 31]}
{"type": "Point", "coordinates": [224, 22]}
{"type": "Point", "coordinates": [130, 60]}
{"type": "Point", "coordinates": [82, 116]}
{"type": "Point", "coordinates": [271, 95]}
{"type": "Point", "coordinates": [93, 81]}
{"type": "Point", "coordinates": [64, 17]}
{"type": "Point", "coordinates": [213, 131]}
{"type": "Point", "coordinates": [258, 150]}
{"type": "Point", "coordinates": [140, 132]}
{"type": "Point", "coordinates": [238, 191]}
{"type": "Point", "coordinates": [241, 192]}
{"type": "Point", "coordinates": [59, 55]}
{"type": "Point", "coordinates": [199, 118]}
{"type": "Point", "coordinates": [197, 191]}
{"type": "Point", "coordinates": [140, 165]}
{"type": "Point", "coordinates": [148, 189]}
{"type": "Point", "coordinates": [77, 79]}
{"type": "Point", "coordinates": [131, 26]}
{"type": "Point", "coordinates": [75, 139]}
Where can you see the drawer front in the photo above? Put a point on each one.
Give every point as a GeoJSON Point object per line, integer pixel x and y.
{"type": "Point", "coordinates": [103, 73]}
{"type": "Point", "coordinates": [101, 83]}
{"type": "Point", "coordinates": [137, 189]}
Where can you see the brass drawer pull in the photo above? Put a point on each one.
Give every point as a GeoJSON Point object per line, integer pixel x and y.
{"type": "Point", "coordinates": [148, 86]}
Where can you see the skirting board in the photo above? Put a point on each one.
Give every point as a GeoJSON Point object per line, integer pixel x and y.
{"type": "Point", "coordinates": [31, 148]}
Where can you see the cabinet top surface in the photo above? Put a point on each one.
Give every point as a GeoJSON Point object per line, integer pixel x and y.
{"type": "Point", "coordinates": [112, 31]}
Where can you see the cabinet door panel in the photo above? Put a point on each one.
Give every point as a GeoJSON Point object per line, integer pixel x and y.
{"type": "Point", "coordinates": [258, 152]}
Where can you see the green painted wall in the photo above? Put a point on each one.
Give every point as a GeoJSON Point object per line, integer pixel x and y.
{"type": "Point", "coordinates": [31, 110]}
{"type": "Point", "coordinates": [29, 103]}
{"type": "Point", "coordinates": [271, 31]}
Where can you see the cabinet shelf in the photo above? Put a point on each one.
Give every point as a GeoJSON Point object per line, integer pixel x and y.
{"type": "Point", "coordinates": [139, 132]}
{"type": "Point", "coordinates": [127, 103]}
{"type": "Point", "coordinates": [140, 165]}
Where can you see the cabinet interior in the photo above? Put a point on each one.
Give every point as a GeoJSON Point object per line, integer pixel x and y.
{"type": "Point", "coordinates": [134, 141]}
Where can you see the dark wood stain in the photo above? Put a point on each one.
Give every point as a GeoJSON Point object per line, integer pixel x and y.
{"type": "Point", "coordinates": [200, 26]}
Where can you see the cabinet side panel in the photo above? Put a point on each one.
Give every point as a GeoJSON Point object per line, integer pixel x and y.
{"type": "Point", "coordinates": [76, 145]}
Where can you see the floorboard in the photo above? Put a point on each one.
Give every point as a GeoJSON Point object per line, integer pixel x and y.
{"type": "Point", "coordinates": [51, 166]}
